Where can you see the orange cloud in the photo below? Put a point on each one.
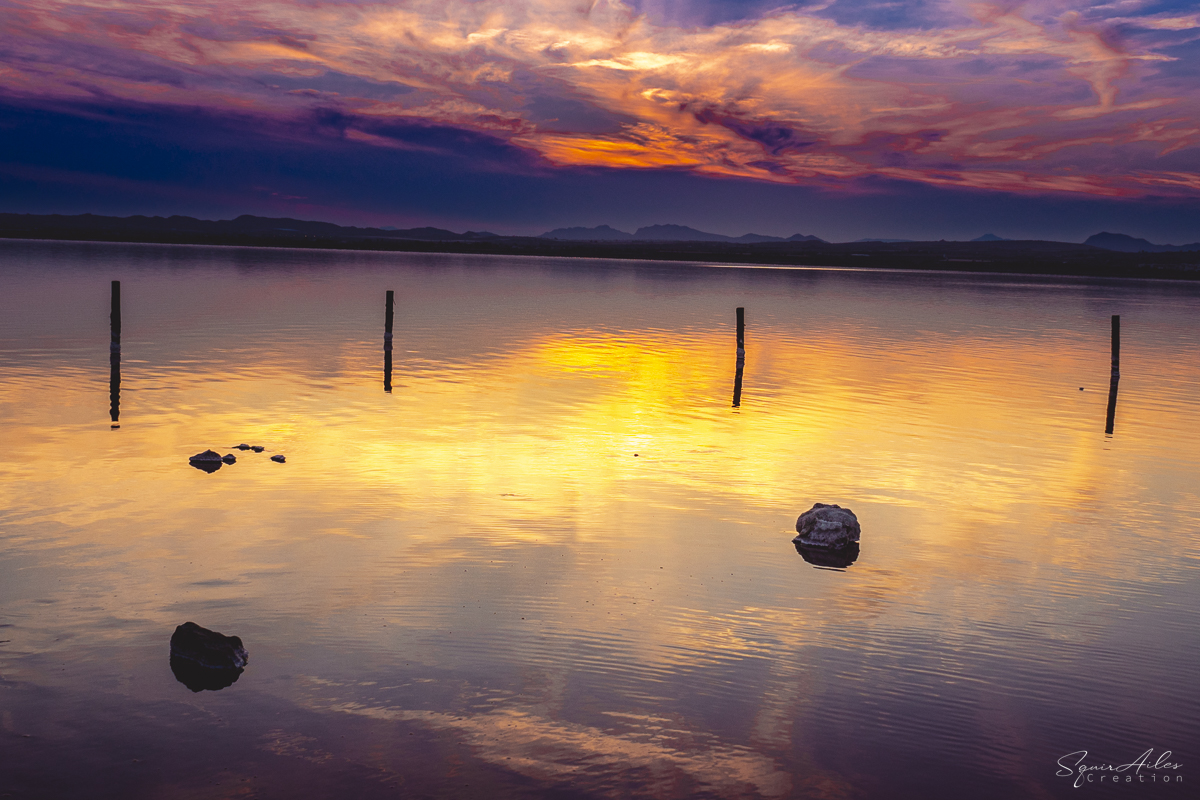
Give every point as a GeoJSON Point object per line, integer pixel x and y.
{"type": "Point", "coordinates": [1003, 101]}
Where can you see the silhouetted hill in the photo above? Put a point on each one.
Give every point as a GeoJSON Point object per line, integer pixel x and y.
{"type": "Point", "coordinates": [677, 233]}
{"type": "Point", "coordinates": [601, 233]}
{"type": "Point", "coordinates": [1024, 257]}
{"type": "Point", "coordinates": [989, 237]}
{"type": "Point", "coordinates": [245, 225]}
{"type": "Point", "coordinates": [755, 238]}
{"type": "Point", "coordinates": [663, 233]}
{"type": "Point", "coordinates": [1123, 243]}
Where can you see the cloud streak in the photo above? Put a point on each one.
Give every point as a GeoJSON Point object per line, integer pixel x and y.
{"type": "Point", "coordinates": [1049, 97]}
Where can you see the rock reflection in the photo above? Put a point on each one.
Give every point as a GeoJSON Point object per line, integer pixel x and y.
{"type": "Point", "coordinates": [199, 678]}
{"type": "Point", "coordinates": [829, 559]}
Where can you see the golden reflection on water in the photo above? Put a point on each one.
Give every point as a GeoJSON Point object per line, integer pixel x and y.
{"type": "Point", "coordinates": [557, 483]}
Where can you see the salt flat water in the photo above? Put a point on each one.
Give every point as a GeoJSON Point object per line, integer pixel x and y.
{"type": "Point", "coordinates": [555, 560]}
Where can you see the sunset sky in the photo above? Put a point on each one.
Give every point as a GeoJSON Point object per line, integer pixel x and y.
{"type": "Point", "coordinates": [852, 118]}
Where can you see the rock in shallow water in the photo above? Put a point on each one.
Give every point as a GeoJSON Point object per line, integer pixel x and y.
{"type": "Point", "coordinates": [827, 526]}
{"type": "Point", "coordinates": [229, 458]}
{"type": "Point", "coordinates": [208, 461]}
{"type": "Point", "coordinates": [258, 448]}
{"type": "Point", "coordinates": [207, 648]}
{"type": "Point", "coordinates": [280, 459]}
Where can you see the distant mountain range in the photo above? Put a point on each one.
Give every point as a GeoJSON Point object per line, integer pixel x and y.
{"type": "Point", "coordinates": [664, 233]}
{"type": "Point", "coordinates": [1123, 243]}
{"type": "Point", "coordinates": [246, 225]}
{"type": "Point", "coordinates": [250, 229]}
{"type": "Point", "coordinates": [1106, 254]}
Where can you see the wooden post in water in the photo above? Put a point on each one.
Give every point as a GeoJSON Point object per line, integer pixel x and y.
{"type": "Point", "coordinates": [389, 316]}
{"type": "Point", "coordinates": [741, 357]}
{"type": "Point", "coordinates": [741, 332]}
{"type": "Point", "coordinates": [1116, 345]}
{"type": "Point", "coordinates": [1110, 418]}
{"type": "Point", "coordinates": [114, 318]}
{"type": "Point", "coordinates": [114, 356]}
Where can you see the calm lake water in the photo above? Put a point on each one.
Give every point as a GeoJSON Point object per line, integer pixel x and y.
{"type": "Point", "coordinates": [556, 561]}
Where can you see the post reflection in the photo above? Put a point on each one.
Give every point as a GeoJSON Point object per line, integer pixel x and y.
{"type": "Point", "coordinates": [114, 357]}
{"type": "Point", "coordinates": [741, 357]}
{"type": "Point", "coordinates": [387, 341]}
{"type": "Point", "coordinates": [1110, 417]}
{"type": "Point", "coordinates": [114, 388]}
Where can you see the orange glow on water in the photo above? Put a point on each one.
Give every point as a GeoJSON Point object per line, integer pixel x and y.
{"type": "Point", "coordinates": [557, 520]}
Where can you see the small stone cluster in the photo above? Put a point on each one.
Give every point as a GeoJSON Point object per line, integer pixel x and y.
{"type": "Point", "coordinates": [210, 460]}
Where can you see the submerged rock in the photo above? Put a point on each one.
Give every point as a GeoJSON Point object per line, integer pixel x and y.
{"type": "Point", "coordinates": [280, 459]}
{"type": "Point", "coordinates": [229, 458]}
{"type": "Point", "coordinates": [208, 649]}
{"type": "Point", "coordinates": [242, 446]}
{"type": "Point", "coordinates": [827, 526]}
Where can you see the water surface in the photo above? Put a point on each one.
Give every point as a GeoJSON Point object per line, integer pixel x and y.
{"type": "Point", "coordinates": [555, 560]}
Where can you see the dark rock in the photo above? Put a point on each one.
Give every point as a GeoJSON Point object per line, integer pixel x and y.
{"type": "Point", "coordinates": [198, 678]}
{"type": "Point", "coordinates": [826, 558]}
{"type": "Point", "coordinates": [229, 458]}
{"type": "Point", "coordinates": [242, 446]}
{"type": "Point", "coordinates": [208, 461]}
{"type": "Point", "coordinates": [828, 526]}
{"type": "Point", "coordinates": [280, 459]}
{"type": "Point", "coordinates": [258, 448]}
{"type": "Point", "coordinates": [208, 649]}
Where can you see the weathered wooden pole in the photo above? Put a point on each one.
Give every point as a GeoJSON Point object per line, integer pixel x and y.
{"type": "Point", "coordinates": [1110, 418]}
{"type": "Point", "coordinates": [114, 318]}
{"type": "Point", "coordinates": [114, 356]}
{"type": "Point", "coordinates": [1116, 345]}
{"type": "Point", "coordinates": [741, 331]}
{"type": "Point", "coordinates": [389, 316]}
{"type": "Point", "coordinates": [741, 357]}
